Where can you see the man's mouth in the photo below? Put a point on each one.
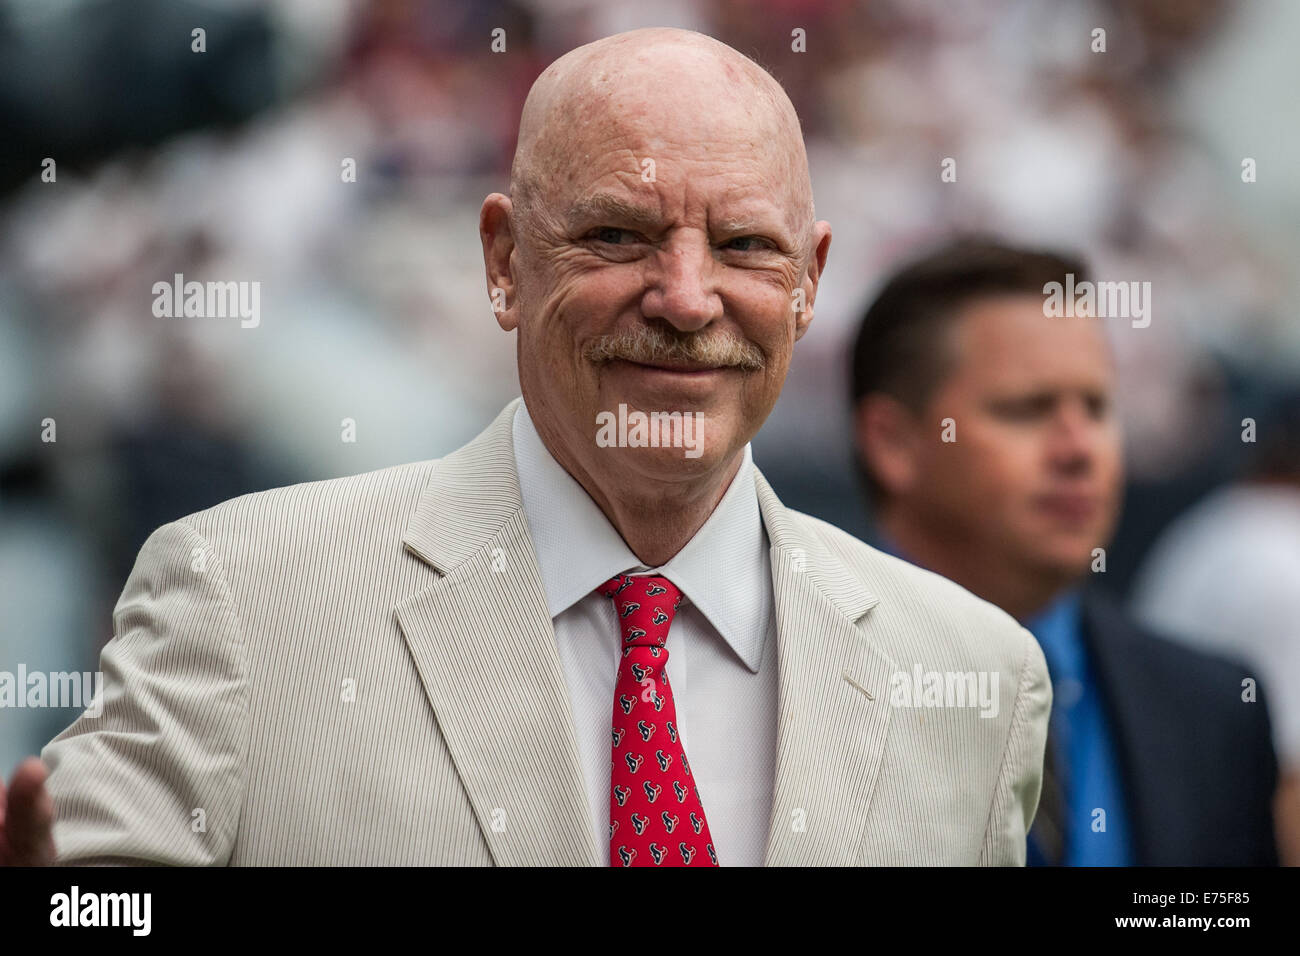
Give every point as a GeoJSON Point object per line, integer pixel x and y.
{"type": "Point", "coordinates": [681, 368]}
{"type": "Point", "coordinates": [1073, 507]}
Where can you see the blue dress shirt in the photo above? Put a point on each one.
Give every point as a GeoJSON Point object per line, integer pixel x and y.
{"type": "Point", "coordinates": [1097, 825]}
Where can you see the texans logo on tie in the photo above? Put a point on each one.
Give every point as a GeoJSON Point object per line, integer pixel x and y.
{"type": "Point", "coordinates": [655, 814]}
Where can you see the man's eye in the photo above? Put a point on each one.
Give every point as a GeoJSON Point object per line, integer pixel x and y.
{"type": "Point", "coordinates": [748, 243]}
{"type": "Point", "coordinates": [608, 234]}
{"type": "Point", "coordinates": [1020, 411]}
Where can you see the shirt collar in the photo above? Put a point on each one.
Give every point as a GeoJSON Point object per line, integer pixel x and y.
{"type": "Point", "coordinates": [724, 570]}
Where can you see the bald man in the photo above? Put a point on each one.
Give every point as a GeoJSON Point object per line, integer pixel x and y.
{"type": "Point", "coordinates": [466, 661]}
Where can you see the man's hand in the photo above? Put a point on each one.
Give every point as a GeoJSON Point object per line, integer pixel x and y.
{"type": "Point", "coordinates": [26, 817]}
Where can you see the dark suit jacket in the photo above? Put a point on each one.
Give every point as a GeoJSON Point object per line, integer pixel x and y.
{"type": "Point", "coordinates": [1197, 762]}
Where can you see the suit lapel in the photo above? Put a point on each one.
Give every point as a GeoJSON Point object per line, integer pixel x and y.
{"type": "Point", "coordinates": [483, 643]}
{"type": "Point", "coordinates": [833, 707]}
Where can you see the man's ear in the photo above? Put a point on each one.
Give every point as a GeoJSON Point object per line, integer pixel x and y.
{"type": "Point", "coordinates": [816, 266]}
{"type": "Point", "coordinates": [885, 431]}
{"type": "Point", "coordinates": [498, 248]}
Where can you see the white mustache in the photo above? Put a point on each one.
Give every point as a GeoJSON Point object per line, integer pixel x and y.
{"type": "Point", "coordinates": [649, 345]}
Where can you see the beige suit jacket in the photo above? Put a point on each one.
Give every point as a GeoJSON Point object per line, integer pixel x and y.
{"type": "Point", "coordinates": [364, 671]}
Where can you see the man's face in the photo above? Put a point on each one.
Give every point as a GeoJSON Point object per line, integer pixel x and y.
{"type": "Point", "coordinates": [663, 231]}
{"type": "Point", "coordinates": [1033, 478]}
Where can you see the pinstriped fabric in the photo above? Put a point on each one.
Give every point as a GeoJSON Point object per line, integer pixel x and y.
{"type": "Point", "coordinates": [830, 738]}
{"type": "Point", "coordinates": [860, 781]}
{"type": "Point", "coordinates": [318, 675]}
{"type": "Point", "coordinates": [120, 761]}
{"type": "Point", "coordinates": [942, 767]}
{"type": "Point", "coordinates": [1017, 792]}
{"type": "Point", "coordinates": [295, 725]}
{"type": "Point", "coordinates": [486, 652]}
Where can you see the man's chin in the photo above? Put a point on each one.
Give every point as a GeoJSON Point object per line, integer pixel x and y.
{"type": "Point", "coordinates": [1067, 560]}
{"type": "Point", "coordinates": [660, 464]}
{"type": "Point", "coordinates": [651, 387]}
{"type": "Point", "coordinates": [715, 396]}
{"type": "Point", "coordinates": [658, 437]}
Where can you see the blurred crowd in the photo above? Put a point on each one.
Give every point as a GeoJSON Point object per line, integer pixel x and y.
{"type": "Point", "coordinates": [228, 164]}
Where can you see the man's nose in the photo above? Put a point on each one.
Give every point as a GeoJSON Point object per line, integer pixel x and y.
{"type": "Point", "coordinates": [1072, 444]}
{"type": "Point", "coordinates": [682, 287]}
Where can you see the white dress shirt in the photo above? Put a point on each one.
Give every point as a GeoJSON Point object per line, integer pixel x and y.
{"type": "Point", "coordinates": [721, 644]}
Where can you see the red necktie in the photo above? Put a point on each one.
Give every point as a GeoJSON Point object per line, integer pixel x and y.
{"type": "Point", "coordinates": [655, 814]}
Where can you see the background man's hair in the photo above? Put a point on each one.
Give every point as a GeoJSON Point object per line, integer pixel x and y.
{"type": "Point", "coordinates": [903, 348]}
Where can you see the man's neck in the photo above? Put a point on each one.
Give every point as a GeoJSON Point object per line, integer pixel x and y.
{"type": "Point", "coordinates": [1021, 593]}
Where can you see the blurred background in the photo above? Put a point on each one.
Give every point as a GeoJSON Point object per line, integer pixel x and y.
{"type": "Point", "coordinates": [226, 164]}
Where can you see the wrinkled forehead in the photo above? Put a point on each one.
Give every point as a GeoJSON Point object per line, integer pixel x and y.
{"type": "Point", "coordinates": [726, 159]}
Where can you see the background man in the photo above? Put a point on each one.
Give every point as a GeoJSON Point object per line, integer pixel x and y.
{"type": "Point", "coordinates": [992, 454]}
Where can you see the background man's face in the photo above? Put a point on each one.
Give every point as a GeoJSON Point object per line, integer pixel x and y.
{"type": "Point", "coordinates": [1033, 479]}
{"type": "Point", "coordinates": [712, 248]}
